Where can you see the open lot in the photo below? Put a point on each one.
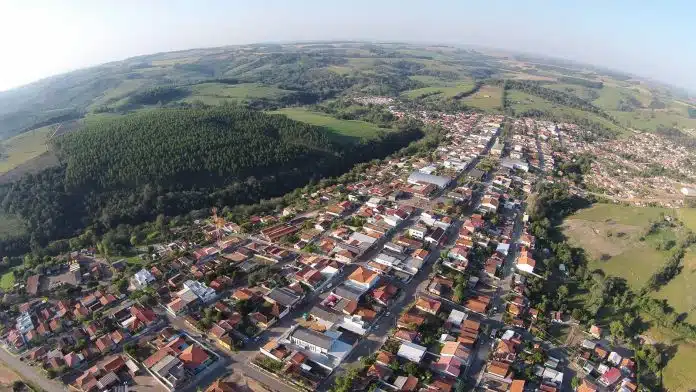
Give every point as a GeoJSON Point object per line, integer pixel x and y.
{"type": "Point", "coordinates": [341, 129]}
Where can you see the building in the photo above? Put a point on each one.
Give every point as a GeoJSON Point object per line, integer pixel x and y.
{"type": "Point", "coordinates": [204, 293]}
{"type": "Point", "coordinates": [363, 278]}
{"type": "Point", "coordinates": [411, 351]}
{"type": "Point", "coordinates": [418, 177]}
{"type": "Point", "coordinates": [143, 277]}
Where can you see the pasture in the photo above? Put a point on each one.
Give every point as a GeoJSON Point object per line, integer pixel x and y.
{"type": "Point", "coordinates": [341, 129]}
{"type": "Point", "coordinates": [678, 374]}
{"type": "Point", "coordinates": [611, 235]}
{"type": "Point", "coordinates": [444, 91]}
{"type": "Point", "coordinates": [488, 98]}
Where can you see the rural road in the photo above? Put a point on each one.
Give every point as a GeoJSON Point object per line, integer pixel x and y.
{"type": "Point", "coordinates": [30, 374]}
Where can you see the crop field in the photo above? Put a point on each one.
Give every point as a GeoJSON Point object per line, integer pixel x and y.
{"type": "Point", "coordinates": [445, 91]}
{"type": "Point", "coordinates": [341, 129]}
{"type": "Point", "coordinates": [23, 147]}
{"type": "Point", "coordinates": [487, 98]}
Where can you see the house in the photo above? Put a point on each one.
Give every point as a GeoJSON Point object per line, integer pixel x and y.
{"type": "Point", "coordinates": [410, 320]}
{"type": "Point", "coordinates": [436, 236]}
{"type": "Point", "coordinates": [411, 351]}
{"type": "Point", "coordinates": [526, 264]}
{"type": "Point", "coordinates": [517, 386]}
{"type": "Point", "coordinates": [33, 285]}
{"type": "Point", "coordinates": [418, 231]}
{"type": "Point", "coordinates": [500, 370]}
{"type": "Point", "coordinates": [456, 349]}
{"type": "Point", "coordinates": [490, 203]}
{"type": "Point", "coordinates": [143, 278]}
{"type": "Point", "coordinates": [428, 305]}
{"type": "Point", "coordinates": [384, 294]}
{"type": "Point", "coordinates": [104, 343]}
{"type": "Point", "coordinates": [384, 358]}
{"type": "Point", "coordinates": [195, 358]}
{"type": "Point", "coordinates": [587, 386]}
{"type": "Point", "coordinates": [283, 296]}
{"type": "Point", "coordinates": [450, 366]}
{"type": "Point", "coordinates": [221, 386]}
{"type": "Point", "coordinates": [406, 384]}
{"type": "Point", "coordinates": [456, 318]}
{"type": "Point", "coordinates": [596, 332]}
{"type": "Point", "coordinates": [363, 278]}
{"type": "Point", "coordinates": [380, 372]}
{"type": "Point", "coordinates": [610, 377]}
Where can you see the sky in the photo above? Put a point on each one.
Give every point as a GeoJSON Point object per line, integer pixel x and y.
{"type": "Point", "coordinates": [39, 38]}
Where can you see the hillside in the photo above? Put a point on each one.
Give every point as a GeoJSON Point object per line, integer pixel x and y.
{"type": "Point", "coordinates": [271, 76]}
{"type": "Point", "coordinates": [171, 161]}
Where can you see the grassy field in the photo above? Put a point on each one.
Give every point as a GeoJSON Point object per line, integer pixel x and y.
{"type": "Point", "coordinates": [680, 292]}
{"type": "Point", "coordinates": [7, 280]}
{"type": "Point", "coordinates": [521, 102]}
{"type": "Point", "coordinates": [610, 234]}
{"type": "Point", "coordinates": [648, 120]}
{"type": "Point", "coordinates": [340, 128]}
{"type": "Point", "coordinates": [445, 91]}
{"type": "Point", "coordinates": [688, 216]}
{"type": "Point", "coordinates": [23, 147]}
{"type": "Point", "coordinates": [487, 98]}
{"type": "Point", "coordinates": [678, 375]}
{"type": "Point", "coordinates": [609, 97]}
{"type": "Point", "coordinates": [217, 93]}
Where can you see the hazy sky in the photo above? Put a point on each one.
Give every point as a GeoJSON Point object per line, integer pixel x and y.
{"type": "Point", "coordinates": [650, 38]}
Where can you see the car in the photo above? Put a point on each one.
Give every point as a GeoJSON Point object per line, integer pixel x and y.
{"type": "Point", "coordinates": [388, 314]}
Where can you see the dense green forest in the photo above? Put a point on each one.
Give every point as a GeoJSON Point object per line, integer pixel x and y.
{"type": "Point", "coordinates": [172, 161]}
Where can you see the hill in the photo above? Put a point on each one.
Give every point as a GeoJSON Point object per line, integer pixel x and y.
{"type": "Point", "coordinates": [171, 161]}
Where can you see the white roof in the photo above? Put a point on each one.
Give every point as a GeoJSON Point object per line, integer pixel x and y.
{"type": "Point", "coordinates": [411, 351]}
{"type": "Point", "coordinates": [456, 317]}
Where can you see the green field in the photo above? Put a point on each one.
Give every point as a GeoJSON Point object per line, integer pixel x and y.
{"type": "Point", "coordinates": [609, 97]}
{"type": "Point", "coordinates": [627, 215]}
{"type": "Point", "coordinates": [678, 375]}
{"type": "Point", "coordinates": [488, 98]}
{"type": "Point", "coordinates": [648, 120]}
{"type": "Point", "coordinates": [680, 292]}
{"type": "Point", "coordinates": [445, 91]}
{"type": "Point", "coordinates": [23, 147]}
{"type": "Point", "coordinates": [7, 280]}
{"type": "Point", "coordinates": [341, 129]}
{"type": "Point", "coordinates": [611, 236]}
{"type": "Point", "coordinates": [236, 91]}
{"type": "Point", "coordinates": [521, 102]}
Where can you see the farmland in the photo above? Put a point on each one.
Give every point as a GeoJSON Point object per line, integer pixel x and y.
{"type": "Point", "coordinates": [341, 129]}
{"type": "Point", "coordinates": [216, 93]}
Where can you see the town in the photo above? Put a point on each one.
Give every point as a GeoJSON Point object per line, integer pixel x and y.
{"type": "Point", "coordinates": [410, 275]}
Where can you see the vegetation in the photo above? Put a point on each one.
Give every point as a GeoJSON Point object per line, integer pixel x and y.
{"type": "Point", "coordinates": [172, 161]}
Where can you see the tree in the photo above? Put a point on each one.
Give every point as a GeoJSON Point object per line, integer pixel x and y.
{"type": "Point", "coordinates": [575, 382]}
{"type": "Point", "coordinates": [411, 369]}
{"type": "Point", "coordinates": [459, 291]}
{"type": "Point", "coordinates": [617, 330]}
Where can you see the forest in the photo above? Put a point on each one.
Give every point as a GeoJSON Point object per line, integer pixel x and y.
{"type": "Point", "coordinates": [172, 161]}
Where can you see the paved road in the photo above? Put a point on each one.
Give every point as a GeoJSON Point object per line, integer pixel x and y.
{"type": "Point", "coordinates": [30, 373]}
